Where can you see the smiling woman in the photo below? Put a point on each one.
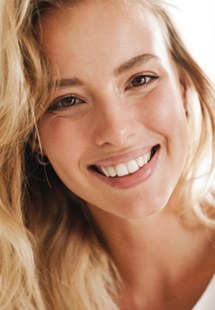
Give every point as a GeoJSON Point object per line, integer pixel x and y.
{"type": "Point", "coordinates": [100, 154]}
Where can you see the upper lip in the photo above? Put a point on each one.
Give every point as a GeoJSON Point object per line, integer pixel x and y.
{"type": "Point", "coordinates": [122, 157]}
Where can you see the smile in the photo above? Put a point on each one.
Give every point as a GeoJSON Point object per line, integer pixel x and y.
{"type": "Point", "coordinates": [124, 169]}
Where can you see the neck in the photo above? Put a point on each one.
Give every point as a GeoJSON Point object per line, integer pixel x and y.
{"type": "Point", "coordinates": [161, 261]}
{"type": "Point", "coordinates": [159, 240]}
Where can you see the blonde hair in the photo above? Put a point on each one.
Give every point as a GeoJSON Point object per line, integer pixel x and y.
{"type": "Point", "coordinates": [52, 252]}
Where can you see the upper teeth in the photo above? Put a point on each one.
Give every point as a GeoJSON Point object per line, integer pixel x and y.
{"type": "Point", "coordinates": [123, 169]}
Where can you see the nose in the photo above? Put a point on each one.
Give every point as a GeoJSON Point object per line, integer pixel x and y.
{"type": "Point", "coordinates": [115, 125]}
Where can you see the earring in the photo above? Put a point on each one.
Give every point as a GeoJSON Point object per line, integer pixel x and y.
{"type": "Point", "coordinates": [42, 160]}
{"type": "Point", "coordinates": [46, 175]}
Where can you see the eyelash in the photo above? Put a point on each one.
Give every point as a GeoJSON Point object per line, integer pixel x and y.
{"type": "Point", "coordinates": [69, 101]}
{"type": "Point", "coordinates": [141, 80]}
{"type": "Point", "coordinates": [64, 102]}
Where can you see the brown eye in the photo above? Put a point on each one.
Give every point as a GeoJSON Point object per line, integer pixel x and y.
{"type": "Point", "coordinates": [141, 80]}
{"type": "Point", "coordinates": [65, 102]}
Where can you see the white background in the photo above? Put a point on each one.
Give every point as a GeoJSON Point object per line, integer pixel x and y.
{"type": "Point", "coordinates": [196, 22]}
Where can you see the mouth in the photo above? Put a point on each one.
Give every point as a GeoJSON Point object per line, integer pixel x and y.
{"type": "Point", "coordinates": [124, 169]}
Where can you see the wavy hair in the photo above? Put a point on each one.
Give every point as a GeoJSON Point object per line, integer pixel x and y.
{"type": "Point", "coordinates": [52, 252]}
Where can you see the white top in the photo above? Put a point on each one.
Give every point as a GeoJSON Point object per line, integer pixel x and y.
{"type": "Point", "coordinates": [207, 300]}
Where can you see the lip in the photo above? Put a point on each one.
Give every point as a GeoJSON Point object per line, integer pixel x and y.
{"type": "Point", "coordinates": [131, 180]}
{"type": "Point", "coordinates": [121, 157]}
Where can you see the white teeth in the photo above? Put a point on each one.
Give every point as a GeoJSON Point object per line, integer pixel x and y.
{"type": "Point", "coordinates": [140, 161]}
{"type": "Point", "coordinates": [111, 171]}
{"type": "Point", "coordinates": [126, 168]}
{"type": "Point", "coordinates": [147, 157]}
{"type": "Point", "coordinates": [121, 170]}
{"type": "Point", "coordinates": [105, 171]}
{"type": "Point", "coordinates": [132, 166]}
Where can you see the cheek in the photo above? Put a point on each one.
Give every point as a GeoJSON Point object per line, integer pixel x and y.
{"type": "Point", "coordinates": [62, 139]}
{"type": "Point", "coordinates": [164, 112]}
{"type": "Point", "coordinates": [165, 117]}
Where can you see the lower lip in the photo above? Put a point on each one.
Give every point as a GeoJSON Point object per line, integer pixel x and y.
{"type": "Point", "coordinates": [133, 179]}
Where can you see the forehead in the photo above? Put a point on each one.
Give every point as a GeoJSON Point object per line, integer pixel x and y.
{"type": "Point", "coordinates": [83, 32]}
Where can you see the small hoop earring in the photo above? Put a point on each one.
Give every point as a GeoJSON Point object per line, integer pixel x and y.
{"type": "Point", "coordinates": [42, 160]}
{"type": "Point", "coordinates": [46, 175]}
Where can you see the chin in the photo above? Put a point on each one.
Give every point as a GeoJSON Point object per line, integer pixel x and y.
{"type": "Point", "coordinates": [143, 209]}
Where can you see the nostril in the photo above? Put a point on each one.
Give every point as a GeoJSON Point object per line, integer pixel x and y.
{"type": "Point", "coordinates": [110, 134]}
{"type": "Point", "coordinates": [114, 126]}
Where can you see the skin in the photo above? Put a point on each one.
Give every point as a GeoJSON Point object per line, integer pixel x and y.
{"type": "Point", "coordinates": [113, 122]}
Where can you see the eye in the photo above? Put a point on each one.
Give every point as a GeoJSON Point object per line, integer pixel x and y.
{"type": "Point", "coordinates": [141, 80]}
{"type": "Point", "coordinates": [65, 102]}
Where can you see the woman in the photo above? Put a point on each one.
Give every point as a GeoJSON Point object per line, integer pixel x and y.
{"type": "Point", "coordinates": [107, 156]}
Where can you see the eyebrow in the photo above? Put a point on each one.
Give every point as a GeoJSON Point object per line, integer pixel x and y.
{"type": "Point", "coordinates": [66, 82]}
{"type": "Point", "coordinates": [137, 60]}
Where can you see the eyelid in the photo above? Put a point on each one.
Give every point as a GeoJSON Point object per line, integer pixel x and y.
{"type": "Point", "coordinates": [53, 105]}
{"type": "Point", "coordinates": [152, 75]}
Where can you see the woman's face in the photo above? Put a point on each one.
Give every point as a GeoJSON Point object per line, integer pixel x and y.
{"type": "Point", "coordinates": [115, 130]}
